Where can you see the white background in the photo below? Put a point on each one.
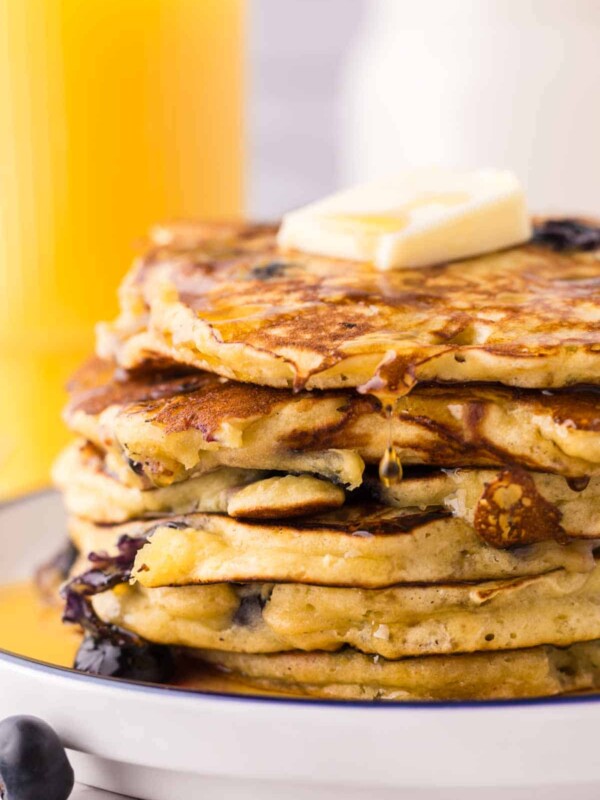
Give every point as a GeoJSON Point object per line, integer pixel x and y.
{"type": "Point", "coordinates": [347, 90]}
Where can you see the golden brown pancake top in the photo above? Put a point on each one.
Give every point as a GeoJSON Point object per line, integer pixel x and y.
{"type": "Point", "coordinates": [301, 319]}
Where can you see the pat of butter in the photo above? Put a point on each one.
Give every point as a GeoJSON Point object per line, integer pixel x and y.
{"type": "Point", "coordinates": [421, 218]}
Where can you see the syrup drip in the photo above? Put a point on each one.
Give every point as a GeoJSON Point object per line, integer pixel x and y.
{"type": "Point", "coordinates": [390, 466]}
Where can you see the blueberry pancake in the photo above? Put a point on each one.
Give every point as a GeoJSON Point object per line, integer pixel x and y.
{"type": "Point", "coordinates": [93, 491]}
{"type": "Point", "coordinates": [224, 298]}
{"type": "Point", "coordinates": [329, 480]}
{"type": "Point", "coordinates": [167, 427]}
{"type": "Point", "coordinates": [366, 547]}
{"type": "Point", "coordinates": [351, 675]}
{"type": "Point", "coordinates": [557, 608]}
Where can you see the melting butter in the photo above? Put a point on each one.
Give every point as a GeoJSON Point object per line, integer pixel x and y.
{"type": "Point", "coordinates": [418, 219]}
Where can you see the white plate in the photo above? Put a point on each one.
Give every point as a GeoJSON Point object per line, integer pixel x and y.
{"type": "Point", "coordinates": [166, 744]}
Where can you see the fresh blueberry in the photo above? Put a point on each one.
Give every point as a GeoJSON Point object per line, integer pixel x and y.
{"type": "Point", "coordinates": [33, 762]}
{"type": "Point", "coordinates": [567, 234]}
{"type": "Point", "coordinates": [142, 661]}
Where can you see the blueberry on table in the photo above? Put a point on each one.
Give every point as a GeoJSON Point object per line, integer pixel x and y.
{"type": "Point", "coordinates": [33, 762]}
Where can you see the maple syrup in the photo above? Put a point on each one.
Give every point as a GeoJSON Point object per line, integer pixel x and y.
{"type": "Point", "coordinates": [390, 466]}
{"type": "Point", "coordinates": [32, 628]}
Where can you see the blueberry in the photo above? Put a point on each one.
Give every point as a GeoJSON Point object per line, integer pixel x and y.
{"type": "Point", "coordinates": [567, 234]}
{"type": "Point", "coordinates": [136, 466]}
{"type": "Point", "coordinates": [249, 610]}
{"type": "Point", "coordinates": [263, 272]}
{"type": "Point", "coordinates": [142, 661]}
{"type": "Point", "coordinates": [33, 762]}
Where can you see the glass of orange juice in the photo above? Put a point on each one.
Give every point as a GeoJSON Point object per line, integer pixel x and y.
{"type": "Point", "coordinates": [114, 114]}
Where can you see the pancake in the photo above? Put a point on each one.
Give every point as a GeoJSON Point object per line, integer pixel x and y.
{"type": "Point", "coordinates": [507, 508]}
{"type": "Point", "coordinates": [360, 547]}
{"type": "Point", "coordinates": [225, 299]}
{"type": "Point", "coordinates": [558, 608]}
{"type": "Point", "coordinates": [349, 675]}
{"type": "Point", "coordinates": [90, 490]}
{"type": "Point", "coordinates": [166, 427]}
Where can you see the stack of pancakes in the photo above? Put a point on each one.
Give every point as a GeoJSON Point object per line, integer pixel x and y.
{"type": "Point", "coordinates": [347, 483]}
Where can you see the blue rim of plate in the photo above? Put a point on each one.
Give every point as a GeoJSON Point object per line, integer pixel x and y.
{"type": "Point", "coordinates": [161, 690]}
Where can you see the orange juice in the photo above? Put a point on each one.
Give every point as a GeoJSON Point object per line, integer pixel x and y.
{"type": "Point", "coordinates": [113, 114]}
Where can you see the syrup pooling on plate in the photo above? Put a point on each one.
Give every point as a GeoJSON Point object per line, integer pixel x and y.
{"type": "Point", "coordinates": [31, 628]}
